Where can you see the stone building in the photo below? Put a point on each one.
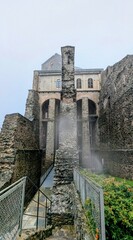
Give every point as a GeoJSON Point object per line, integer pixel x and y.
{"type": "Point", "coordinates": [47, 84]}
{"type": "Point", "coordinates": [92, 106]}
{"type": "Point", "coordinates": [104, 113]}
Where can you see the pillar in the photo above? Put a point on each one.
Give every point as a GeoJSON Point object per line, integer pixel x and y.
{"type": "Point", "coordinates": [50, 141]}
{"type": "Point", "coordinates": [67, 155]}
{"type": "Point", "coordinates": [86, 152]}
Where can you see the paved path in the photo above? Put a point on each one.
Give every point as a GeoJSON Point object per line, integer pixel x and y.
{"type": "Point", "coordinates": [30, 221]}
{"type": "Point", "coordinates": [48, 183]}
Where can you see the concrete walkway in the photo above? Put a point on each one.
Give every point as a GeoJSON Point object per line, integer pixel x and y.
{"type": "Point", "coordinates": [30, 221]}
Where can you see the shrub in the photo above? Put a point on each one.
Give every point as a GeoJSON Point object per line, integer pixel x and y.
{"type": "Point", "coordinates": [118, 207]}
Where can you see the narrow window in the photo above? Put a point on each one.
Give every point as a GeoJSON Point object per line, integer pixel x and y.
{"type": "Point", "coordinates": [90, 83]}
{"type": "Point", "coordinates": [78, 83]}
{"type": "Point", "coordinates": [58, 83]}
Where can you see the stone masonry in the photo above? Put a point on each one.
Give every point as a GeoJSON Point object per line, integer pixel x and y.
{"type": "Point", "coordinates": [19, 151]}
{"type": "Point", "coordinates": [116, 118]}
{"type": "Point", "coordinates": [66, 155]}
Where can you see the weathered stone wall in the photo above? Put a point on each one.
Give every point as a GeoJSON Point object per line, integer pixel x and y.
{"type": "Point", "coordinates": [19, 150]}
{"type": "Point", "coordinates": [68, 86]}
{"type": "Point", "coordinates": [80, 220]}
{"type": "Point", "coordinates": [67, 154]}
{"type": "Point", "coordinates": [116, 118]}
{"type": "Point", "coordinates": [68, 210]}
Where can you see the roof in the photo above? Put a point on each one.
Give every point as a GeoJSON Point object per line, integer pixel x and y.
{"type": "Point", "coordinates": [54, 63]}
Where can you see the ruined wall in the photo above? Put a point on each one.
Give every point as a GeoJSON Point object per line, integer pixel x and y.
{"type": "Point", "coordinates": [19, 150]}
{"type": "Point", "coordinates": [116, 118]}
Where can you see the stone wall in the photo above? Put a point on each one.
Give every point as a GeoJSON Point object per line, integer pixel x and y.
{"type": "Point", "coordinates": [116, 118]}
{"type": "Point", "coordinates": [68, 210]}
{"type": "Point", "coordinates": [19, 150]}
{"type": "Point", "coordinates": [80, 220]}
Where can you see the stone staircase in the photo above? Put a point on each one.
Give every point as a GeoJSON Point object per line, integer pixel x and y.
{"type": "Point", "coordinates": [66, 232]}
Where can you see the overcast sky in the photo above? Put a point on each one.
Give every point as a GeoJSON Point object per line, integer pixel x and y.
{"type": "Point", "coordinates": [31, 31]}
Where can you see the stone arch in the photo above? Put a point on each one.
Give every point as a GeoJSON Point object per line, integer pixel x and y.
{"type": "Point", "coordinates": [92, 105]}
{"type": "Point", "coordinates": [92, 108]}
{"type": "Point", "coordinates": [44, 109]}
{"type": "Point", "coordinates": [49, 126]}
{"type": "Point", "coordinates": [93, 101]}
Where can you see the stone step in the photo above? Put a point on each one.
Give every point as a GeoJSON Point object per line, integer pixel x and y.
{"type": "Point", "coordinates": [63, 233]}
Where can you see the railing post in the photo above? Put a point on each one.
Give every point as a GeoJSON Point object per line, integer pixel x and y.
{"type": "Point", "coordinates": [22, 205]}
{"type": "Point", "coordinates": [46, 214]}
{"type": "Point", "coordinates": [102, 215]}
{"type": "Point", "coordinates": [37, 211]}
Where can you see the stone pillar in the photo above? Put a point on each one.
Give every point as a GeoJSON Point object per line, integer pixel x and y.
{"type": "Point", "coordinates": [86, 152]}
{"type": "Point", "coordinates": [68, 88]}
{"type": "Point", "coordinates": [67, 155]}
{"type": "Point", "coordinates": [50, 149]}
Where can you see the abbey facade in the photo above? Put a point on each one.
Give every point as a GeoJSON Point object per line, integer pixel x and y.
{"type": "Point", "coordinates": [47, 84]}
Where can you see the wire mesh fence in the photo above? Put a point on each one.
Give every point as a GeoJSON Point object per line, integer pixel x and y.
{"type": "Point", "coordinates": [23, 194]}
{"type": "Point", "coordinates": [11, 210]}
{"type": "Point", "coordinates": [88, 190]}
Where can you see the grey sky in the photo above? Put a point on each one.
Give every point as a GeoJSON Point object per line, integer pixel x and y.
{"type": "Point", "coordinates": [33, 30]}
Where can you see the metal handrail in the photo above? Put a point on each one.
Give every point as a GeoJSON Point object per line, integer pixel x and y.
{"type": "Point", "coordinates": [38, 188]}
{"type": "Point", "coordinates": [47, 199]}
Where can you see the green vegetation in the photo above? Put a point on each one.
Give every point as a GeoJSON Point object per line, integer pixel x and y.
{"type": "Point", "coordinates": [118, 201]}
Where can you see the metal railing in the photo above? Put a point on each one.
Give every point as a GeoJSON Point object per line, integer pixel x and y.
{"type": "Point", "coordinates": [11, 210]}
{"type": "Point", "coordinates": [42, 202]}
{"type": "Point", "coordinates": [12, 201]}
{"type": "Point", "coordinates": [89, 190]}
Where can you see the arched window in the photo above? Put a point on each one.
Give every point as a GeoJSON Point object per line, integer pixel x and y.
{"type": "Point", "coordinates": [45, 109]}
{"type": "Point", "coordinates": [78, 83]}
{"type": "Point", "coordinates": [90, 83]}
